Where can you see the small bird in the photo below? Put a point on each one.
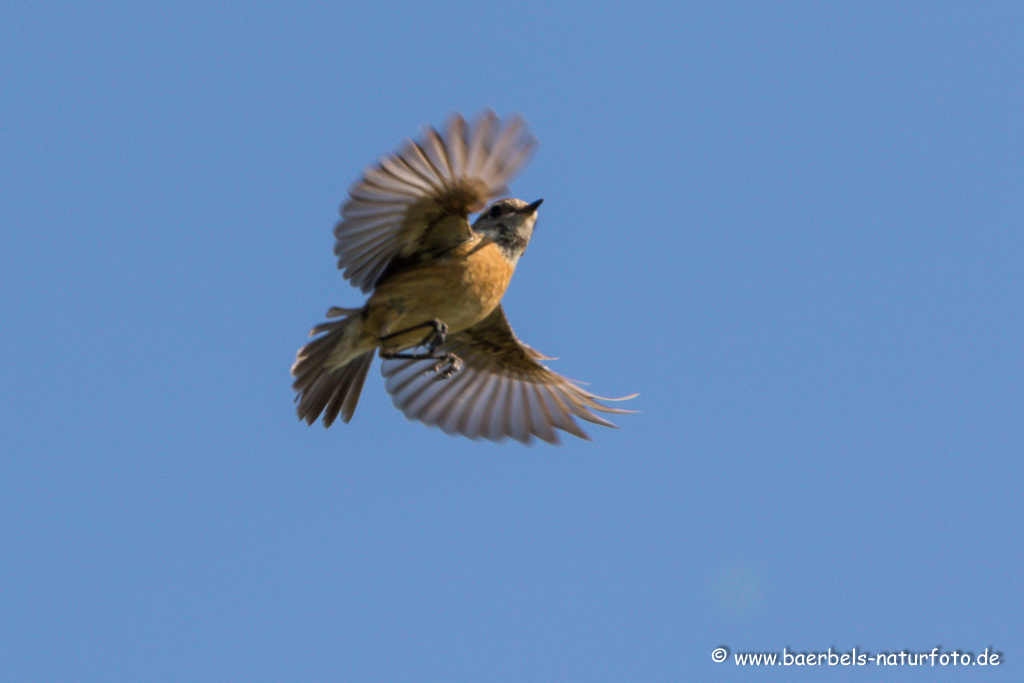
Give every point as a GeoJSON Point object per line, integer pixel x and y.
{"type": "Point", "coordinates": [449, 356]}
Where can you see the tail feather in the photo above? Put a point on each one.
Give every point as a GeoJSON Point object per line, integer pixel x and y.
{"type": "Point", "coordinates": [346, 392]}
{"type": "Point", "coordinates": [323, 386]}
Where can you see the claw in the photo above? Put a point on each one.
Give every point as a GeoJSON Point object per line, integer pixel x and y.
{"type": "Point", "coordinates": [447, 363]}
{"type": "Point", "coordinates": [436, 336]}
{"type": "Point", "coordinates": [445, 367]}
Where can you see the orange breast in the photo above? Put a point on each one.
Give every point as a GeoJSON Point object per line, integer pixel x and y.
{"type": "Point", "coordinates": [460, 290]}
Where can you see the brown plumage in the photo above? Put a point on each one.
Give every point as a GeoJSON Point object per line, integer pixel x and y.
{"type": "Point", "coordinates": [434, 315]}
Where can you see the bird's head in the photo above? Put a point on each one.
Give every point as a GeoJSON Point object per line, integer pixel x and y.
{"type": "Point", "coordinates": [509, 223]}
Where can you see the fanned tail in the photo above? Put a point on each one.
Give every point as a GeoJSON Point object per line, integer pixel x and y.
{"type": "Point", "coordinates": [323, 385]}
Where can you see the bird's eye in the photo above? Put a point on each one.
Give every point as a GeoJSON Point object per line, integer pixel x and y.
{"type": "Point", "coordinates": [494, 212]}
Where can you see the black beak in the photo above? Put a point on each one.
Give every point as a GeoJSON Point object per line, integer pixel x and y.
{"type": "Point", "coordinates": [531, 208]}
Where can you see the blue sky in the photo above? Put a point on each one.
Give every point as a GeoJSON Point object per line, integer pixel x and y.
{"type": "Point", "coordinates": [794, 228]}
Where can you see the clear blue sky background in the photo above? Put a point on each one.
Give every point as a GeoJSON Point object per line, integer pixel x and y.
{"type": "Point", "coordinates": [795, 228]}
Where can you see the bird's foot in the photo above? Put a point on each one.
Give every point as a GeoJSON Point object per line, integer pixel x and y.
{"type": "Point", "coordinates": [437, 335]}
{"type": "Point", "coordinates": [446, 366]}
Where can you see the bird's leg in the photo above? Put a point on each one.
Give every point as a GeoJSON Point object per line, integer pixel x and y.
{"type": "Point", "coordinates": [447, 363]}
{"type": "Point", "coordinates": [438, 333]}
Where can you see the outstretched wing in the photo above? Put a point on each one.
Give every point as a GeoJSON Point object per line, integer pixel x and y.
{"type": "Point", "coordinates": [417, 202]}
{"type": "Point", "coordinates": [502, 390]}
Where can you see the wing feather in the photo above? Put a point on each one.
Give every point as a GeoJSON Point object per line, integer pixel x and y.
{"type": "Point", "coordinates": [437, 152]}
{"type": "Point", "coordinates": [502, 390]}
{"type": "Point", "coordinates": [402, 207]}
{"type": "Point", "coordinates": [480, 142]}
{"type": "Point", "coordinates": [457, 145]}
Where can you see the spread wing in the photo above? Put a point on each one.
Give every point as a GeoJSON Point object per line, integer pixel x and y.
{"type": "Point", "coordinates": [502, 390]}
{"type": "Point", "coordinates": [418, 201]}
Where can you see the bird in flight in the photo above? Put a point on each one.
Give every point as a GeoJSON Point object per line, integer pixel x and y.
{"type": "Point", "coordinates": [434, 315]}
